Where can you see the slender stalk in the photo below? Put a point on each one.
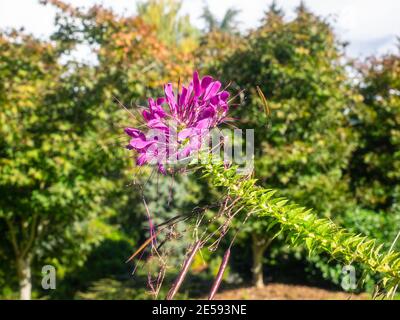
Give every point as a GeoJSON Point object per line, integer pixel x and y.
{"type": "Point", "coordinates": [182, 274]}
{"type": "Point", "coordinates": [220, 274]}
{"type": "Point", "coordinates": [143, 246]}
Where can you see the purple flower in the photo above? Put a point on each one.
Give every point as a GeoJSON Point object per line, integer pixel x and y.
{"type": "Point", "coordinates": [176, 126]}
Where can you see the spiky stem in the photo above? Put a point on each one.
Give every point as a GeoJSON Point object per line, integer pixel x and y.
{"type": "Point", "coordinates": [301, 226]}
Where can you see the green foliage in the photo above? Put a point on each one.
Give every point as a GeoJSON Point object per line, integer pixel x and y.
{"type": "Point", "coordinates": [375, 165]}
{"type": "Point", "coordinates": [305, 142]}
{"type": "Point", "coordinates": [171, 28]}
{"type": "Point", "coordinates": [55, 171]}
{"type": "Point", "coordinates": [166, 198]}
{"type": "Point", "coordinates": [61, 162]}
{"type": "Point", "coordinates": [303, 146]}
{"type": "Point", "coordinates": [65, 183]}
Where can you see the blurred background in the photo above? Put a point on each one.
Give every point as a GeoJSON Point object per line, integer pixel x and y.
{"type": "Point", "coordinates": [329, 69]}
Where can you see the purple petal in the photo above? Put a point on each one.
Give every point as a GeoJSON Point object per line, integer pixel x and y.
{"type": "Point", "coordinates": [196, 84]}
{"type": "Point", "coordinates": [147, 115]}
{"type": "Point", "coordinates": [214, 100]}
{"type": "Point", "coordinates": [224, 95]}
{"type": "Point", "coordinates": [151, 103]}
{"type": "Point", "coordinates": [134, 133]}
{"type": "Point", "coordinates": [204, 124]}
{"type": "Point", "coordinates": [159, 113]}
{"type": "Point", "coordinates": [139, 143]}
{"type": "Point", "coordinates": [190, 90]}
{"type": "Point", "coordinates": [170, 97]}
{"type": "Point", "coordinates": [212, 89]}
{"type": "Point", "coordinates": [205, 82]}
{"type": "Point", "coordinates": [161, 168]}
{"type": "Point", "coordinates": [208, 112]}
{"type": "Point", "coordinates": [160, 101]}
{"type": "Point", "coordinates": [185, 152]}
{"type": "Point", "coordinates": [141, 159]}
{"type": "Point", "coordinates": [157, 124]}
{"type": "Point", "coordinates": [182, 98]}
{"type": "Point", "coordinates": [185, 133]}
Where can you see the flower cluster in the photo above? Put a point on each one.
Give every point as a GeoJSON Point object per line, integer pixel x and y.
{"type": "Point", "coordinates": [177, 125]}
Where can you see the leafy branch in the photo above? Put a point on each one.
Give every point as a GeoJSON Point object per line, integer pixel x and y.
{"type": "Point", "coordinates": [302, 226]}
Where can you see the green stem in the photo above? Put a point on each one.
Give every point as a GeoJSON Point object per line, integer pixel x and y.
{"type": "Point", "coordinates": [301, 226]}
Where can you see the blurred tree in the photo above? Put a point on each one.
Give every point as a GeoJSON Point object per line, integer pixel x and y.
{"type": "Point", "coordinates": [216, 47]}
{"type": "Point", "coordinates": [171, 28]}
{"type": "Point", "coordinates": [55, 169]}
{"type": "Point", "coordinates": [130, 56]}
{"type": "Point", "coordinates": [59, 168]}
{"type": "Point", "coordinates": [134, 61]}
{"type": "Point", "coordinates": [306, 150]}
{"type": "Point", "coordinates": [228, 23]}
{"type": "Point", "coordinates": [375, 165]}
{"type": "Point", "coordinates": [166, 198]}
{"type": "Point", "coordinates": [219, 40]}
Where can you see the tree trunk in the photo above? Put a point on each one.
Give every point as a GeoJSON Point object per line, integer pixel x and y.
{"type": "Point", "coordinates": [259, 245]}
{"type": "Point", "coordinates": [24, 277]}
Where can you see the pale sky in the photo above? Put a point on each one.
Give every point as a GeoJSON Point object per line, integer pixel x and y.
{"type": "Point", "coordinates": [371, 26]}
